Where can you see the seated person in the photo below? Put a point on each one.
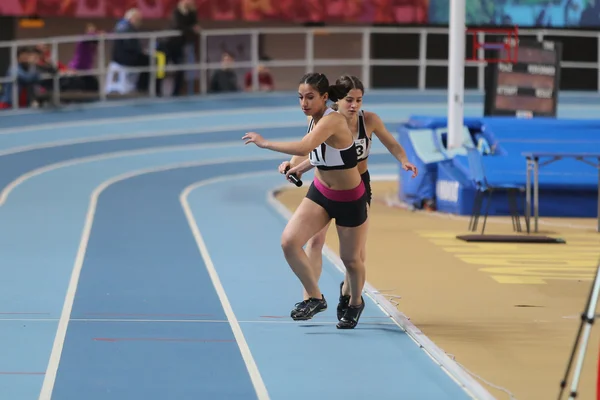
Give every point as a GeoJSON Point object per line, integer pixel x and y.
{"type": "Point", "coordinates": [46, 65]}
{"type": "Point", "coordinates": [224, 79]}
{"type": "Point", "coordinates": [28, 77]}
{"type": "Point", "coordinates": [129, 52]}
{"type": "Point", "coordinates": [84, 58]}
{"type": "Point", "coordinates": [265, 79]}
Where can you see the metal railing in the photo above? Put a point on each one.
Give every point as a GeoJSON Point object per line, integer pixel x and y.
{"type": "Point", "coordinates": [308, 62]}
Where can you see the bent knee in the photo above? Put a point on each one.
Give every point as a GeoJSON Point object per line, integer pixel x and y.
{"type": "Point", "coordinates": [290, 244]}
{"type": "Point", "coordinates": [353, 262]}
{"type": "Point", "coordinates": [316, 242]}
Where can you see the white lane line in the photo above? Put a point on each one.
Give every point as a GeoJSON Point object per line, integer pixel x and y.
{"type": "Point", "coordinates": [128, 153]}
{"type": "Point", "coordinates": [165, 133]}
{"type": "Point", "coordinates": [141, 118]}
{"type": "Point", "coordinates": [196, 114]}
{"type": "Point", "coordinates": [415, 108]}
{"type": "Point", "coordinates": [116, 154]}
{"type": "Point", "coordinates": [63, 323]}
{"type": "Point", "coordinates": [265, 321]}
{"type": "Point", "coordinates": [452, 369]}
{"type": "Point", "coordinates": [257, 381]}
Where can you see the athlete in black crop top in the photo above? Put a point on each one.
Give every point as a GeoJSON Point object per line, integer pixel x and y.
{"type": "Point", "coordinates": [363, 125]}
{"type": "Point", "coordinates": [336, 193]}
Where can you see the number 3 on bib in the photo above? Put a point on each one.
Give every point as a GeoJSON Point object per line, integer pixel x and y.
{"type": "Point", "coordinates": [360, 150]}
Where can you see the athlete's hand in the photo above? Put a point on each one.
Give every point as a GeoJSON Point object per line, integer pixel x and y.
{"type": "Point", "coordinates": [295, 171]}
{"type": "Point", "coordinates": [253, 137]}
{"type": "Point", "coordinates": [410, 167]}
{"type": "Point", "coordinates": [284, 166]}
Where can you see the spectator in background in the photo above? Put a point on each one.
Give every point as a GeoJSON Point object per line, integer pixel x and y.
{"type": "Point", "coordinates": [46, 61]}
{"type": "Point", "coordinates": [129, 52]}
{"type": "Point", "coordinates": [84, 58]}
{"type": "Point", "coordinates": [28, 77]}
{"type": "Point", "coordinates": [184, 19]}
{"type": "Point", "coordinates": [224, 79]}
{"type": "Point", "coordinates": [49, 66]}
{"type": "Point", "coordinates": [265, 79]}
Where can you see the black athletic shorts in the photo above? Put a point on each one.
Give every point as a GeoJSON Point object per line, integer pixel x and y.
{"type": "Point", "coordinates": [366, 178]}
{"type": "Point", "coordinates": [347, 207]}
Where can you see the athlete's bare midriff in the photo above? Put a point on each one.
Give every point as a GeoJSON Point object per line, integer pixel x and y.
{"type": "Point", "coordinates": [343, 179]}
{"type": "Point", "coordinates": [363, 165]}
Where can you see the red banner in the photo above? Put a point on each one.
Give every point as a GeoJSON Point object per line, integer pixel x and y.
{"type": "Point", "coordinates": [359, 11]}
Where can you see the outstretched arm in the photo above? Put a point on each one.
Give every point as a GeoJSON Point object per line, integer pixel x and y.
{"type": "Point", "coordinates": [326, 127]}
{"type": "Point", "coordinates": [391, 144]}
{"type": "Point", "coordinates": [297, 160]}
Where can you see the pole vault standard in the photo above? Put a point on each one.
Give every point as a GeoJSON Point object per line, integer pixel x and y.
{"type": "Point", "coordinates": [456, 72]}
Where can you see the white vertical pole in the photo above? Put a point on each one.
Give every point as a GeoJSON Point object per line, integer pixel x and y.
{"type": "Point", "coordinates": [456, 72]}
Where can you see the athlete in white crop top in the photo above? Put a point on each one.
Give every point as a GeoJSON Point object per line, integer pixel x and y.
{"type": "Point", "coordinates": [325, 157]}
{"type": "Point", "coordinates": [363, 125]}
{"type": "Point", "coordinates": [337, 192]}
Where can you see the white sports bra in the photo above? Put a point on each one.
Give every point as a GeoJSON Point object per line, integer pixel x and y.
{"type": "Point", "coordinates": [325, 157]}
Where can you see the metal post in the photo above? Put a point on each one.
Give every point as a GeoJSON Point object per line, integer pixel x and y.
{"type": "Point", "coordinates": [482, 65]}
{"type": "Point", "coordinates": [14, 63]}
{"type": "Point", "coordinates": [203, 56]}
{"type": "Point", "coordinates": [366, 58]}
{"type": "Point", "coordinates": [598, 68]}
{"type": "Point", "coordinates": [598, 166]}
{"type": "Point", "coordinates": [456, 73]}
{"type": "Point", "coordinates": [102, 67]}
{"type": "Point", "coordinates": [310, 51]}
{"type": "Point", "coordinates": [152, 80]}
{"type": "Point", "coordinates": [56, 77]}
{"type": "Point", "coordinates": [528, 195]}
{"type": "Point", "coordinates": [422, 59]}
{"type": "Point", "coordinates": [255, 59]}
{"type": "Point", "coordinates": [536, 212]}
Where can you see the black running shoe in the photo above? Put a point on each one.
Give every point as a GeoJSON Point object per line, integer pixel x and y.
{"type": "Point", "coordinates": [351, 316]}
{"type": "Point", "coordinates": [343, 303]}
{"type": "Point", "coordinates": [298, 307]}
{"type": "Point", "coordinates": [307, 309]}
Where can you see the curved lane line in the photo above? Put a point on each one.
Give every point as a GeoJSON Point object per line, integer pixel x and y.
{"type": "Point", "coordinates": [126, 153]}
{"type": "Point", "coordinates": [105, 156]}
{"type": "Point", "coordinates": [63, 323]}
{"type": "Point", "coordinates": [257, 381]}
{"type": "Point", "coordinates": [196, 114]}
{"type": "Point", "coordinates": [167, 133]}
{"type": "Point", "coordinates": [457, 374]}
{"type": "Point", "coordinates": [460, 376]}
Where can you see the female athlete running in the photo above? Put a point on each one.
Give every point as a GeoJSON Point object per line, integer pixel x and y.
{"type": "Point", "coordinates": [362, 124]}
{"type": "Point", "coordinates": [337, 192]}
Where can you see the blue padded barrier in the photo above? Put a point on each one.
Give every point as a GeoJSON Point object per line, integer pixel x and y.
{"type": "Point", "coordinates": [567, 187]}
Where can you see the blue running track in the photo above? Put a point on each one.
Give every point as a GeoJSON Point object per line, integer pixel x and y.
{"type": "Point", "coordinates": [140, 260]}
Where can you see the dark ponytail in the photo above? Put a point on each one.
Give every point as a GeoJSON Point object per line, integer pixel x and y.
{"type": "Point", "coordinates": [317, 81]}
{"type": "Point", "coordinates": [349, 82]}
{"type": "Point", "coordinates": [337, 92]}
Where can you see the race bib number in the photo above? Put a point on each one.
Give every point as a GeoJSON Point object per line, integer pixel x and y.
{"type": "Point", "coordinates": [361, 147]}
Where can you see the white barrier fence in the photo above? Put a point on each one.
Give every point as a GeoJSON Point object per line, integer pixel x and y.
{"type": "Point", "coordinates": [308, 62]}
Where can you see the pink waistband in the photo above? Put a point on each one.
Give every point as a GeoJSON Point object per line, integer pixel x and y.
{"type": "Point", "coordinates": [340, 195]}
